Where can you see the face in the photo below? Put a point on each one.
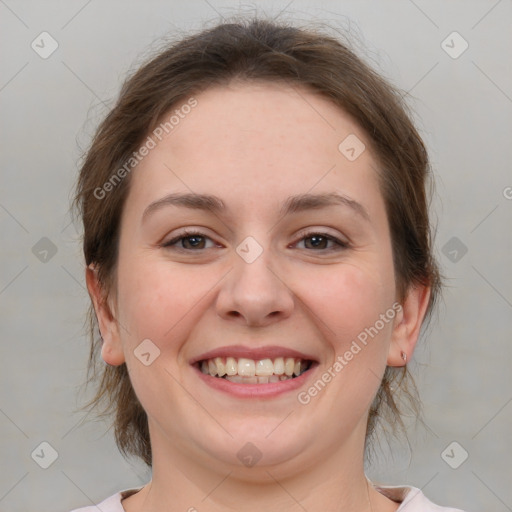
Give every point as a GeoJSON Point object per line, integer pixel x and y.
{"type": "Point", "coordinates": [261, 272]}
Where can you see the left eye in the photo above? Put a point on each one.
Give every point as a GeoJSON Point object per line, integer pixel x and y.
{"type": "Point", "coordinates": [318, 240]}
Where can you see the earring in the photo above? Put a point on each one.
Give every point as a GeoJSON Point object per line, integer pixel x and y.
{"type": "Point", "coordinates": [403, 355]}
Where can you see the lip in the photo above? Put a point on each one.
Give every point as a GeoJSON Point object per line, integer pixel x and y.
{"type": "Point", "coordinates": [270, 390]}
{"type": "Point", "coordinates": [255, 353]}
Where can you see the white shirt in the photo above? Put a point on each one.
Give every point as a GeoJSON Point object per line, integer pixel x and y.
{"type": "Point", "coordinates": [411, 499]}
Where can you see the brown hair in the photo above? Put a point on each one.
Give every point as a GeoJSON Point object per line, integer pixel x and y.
{"type": "Point", "coordinates": [255, 49]}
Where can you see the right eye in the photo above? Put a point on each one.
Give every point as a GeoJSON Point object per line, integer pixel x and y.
{"type": "Point", "coordinates": [195, 240]}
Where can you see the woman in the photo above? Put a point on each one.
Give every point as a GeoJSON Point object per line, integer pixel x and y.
{"type": "Point", "coordinates": [259, 261]}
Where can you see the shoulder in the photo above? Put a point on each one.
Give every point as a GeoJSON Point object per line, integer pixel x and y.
{"type": "Point", "coordinates": [412, 499]}
{"type": "Point", "coordinates": [110, 504]}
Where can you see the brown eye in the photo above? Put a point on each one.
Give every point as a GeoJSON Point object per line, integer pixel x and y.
{"type": "Point", "coordinates": [188, 241]}
{"type": "Point", "coordinates": [320, 241]}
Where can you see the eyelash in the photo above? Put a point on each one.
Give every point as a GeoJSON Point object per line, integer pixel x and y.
{"type": "Point", "coordinates": [191, 233]}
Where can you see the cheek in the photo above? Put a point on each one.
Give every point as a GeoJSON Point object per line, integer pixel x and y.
{"type": "Point", "coordinates": [354, 306]}
{"type": "Point", "coordinates": [159, 303]}
{"type": "Point", "coordinates": [159, 299]}
{"type": "Point", "coordinates": [347, 299]}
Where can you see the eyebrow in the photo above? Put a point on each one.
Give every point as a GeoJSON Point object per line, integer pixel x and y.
{"type": "Point", "coordinates": [293, 204]}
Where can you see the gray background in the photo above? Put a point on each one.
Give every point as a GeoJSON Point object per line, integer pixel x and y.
{"type": "Point", "coordinates": [49, 109]}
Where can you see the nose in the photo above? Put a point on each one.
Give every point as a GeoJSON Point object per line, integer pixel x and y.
{"type": "Point", "coordinates": [254, 294]}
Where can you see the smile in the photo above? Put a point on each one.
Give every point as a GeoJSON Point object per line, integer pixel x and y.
{"type": "Point", "coordinates": [249, 371]}
{"type": "Point", "coordinates": [255, 372]}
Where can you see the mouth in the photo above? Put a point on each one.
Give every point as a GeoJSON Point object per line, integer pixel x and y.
{"type": "Point", "coordinates": [250, 371]}
{"type": "Point", "coordinates": [263, 372]}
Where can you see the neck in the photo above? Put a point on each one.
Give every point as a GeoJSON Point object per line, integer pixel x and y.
{"type": "Point", "coordinates": [334, 481]}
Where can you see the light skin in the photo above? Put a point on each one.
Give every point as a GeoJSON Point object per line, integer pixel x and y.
{"type": "Point", "coordinates": [253, 146]}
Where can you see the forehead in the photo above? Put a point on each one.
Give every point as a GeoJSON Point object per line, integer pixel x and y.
{"type": "Point", "coordinates": [256, 141]}
{"type": "Point", "coordinates": [269, 117]}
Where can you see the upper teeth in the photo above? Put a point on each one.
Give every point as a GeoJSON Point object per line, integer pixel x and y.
{"type": "Point", "coordinates": [220, 366]}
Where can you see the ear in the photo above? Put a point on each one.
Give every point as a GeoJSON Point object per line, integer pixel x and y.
{"type": "Point", "coordinates": [111, 349]}
{"type": "Point", "coordinates": [407, 325]}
